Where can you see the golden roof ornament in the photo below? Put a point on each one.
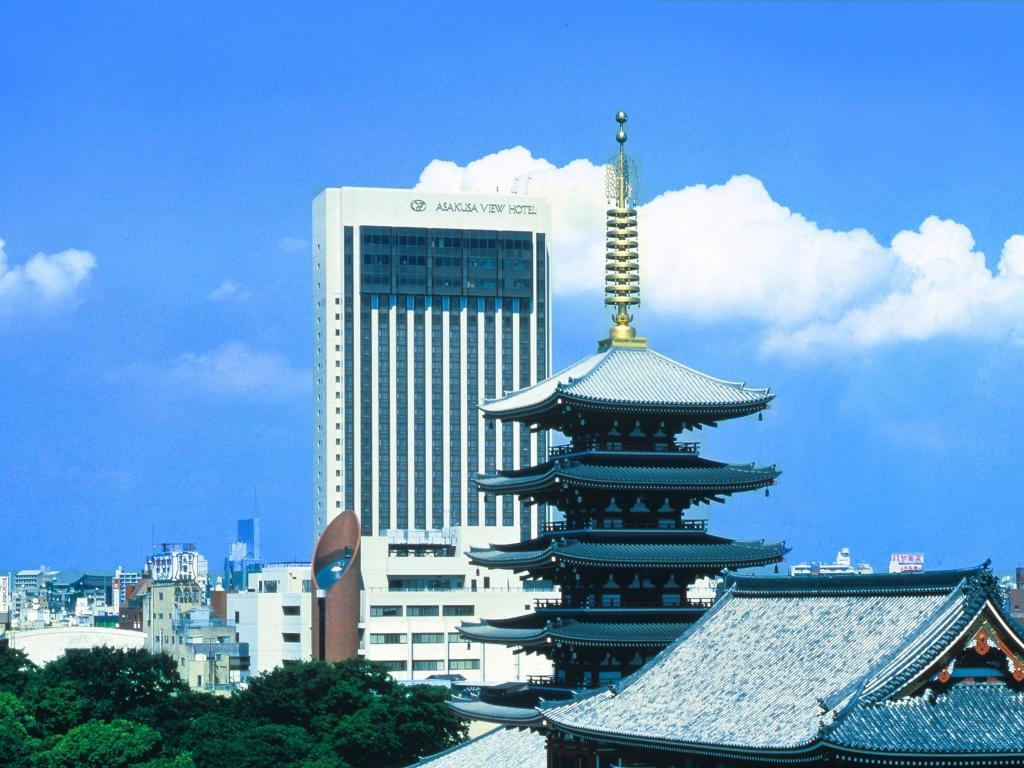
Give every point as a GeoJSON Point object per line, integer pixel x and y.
{"type": "Point", "coordinates": [622, 262]}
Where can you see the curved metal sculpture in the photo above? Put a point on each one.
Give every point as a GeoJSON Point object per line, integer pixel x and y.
{"type": "Point", "coordinates": [335, 590]}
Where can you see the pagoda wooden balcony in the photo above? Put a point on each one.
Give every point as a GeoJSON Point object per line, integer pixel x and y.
{"type": "Point", "coordinates": [684, 525]}
{"type": "Point", "coordinates": [556, 603]}
{"type": "Point", "coordinates": [677, 446]}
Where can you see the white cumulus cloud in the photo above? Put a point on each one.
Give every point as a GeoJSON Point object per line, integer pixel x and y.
{"type": "Point", "coordinates": [292, 244]}
{"type": "Point", "coordinates": [229, 290]}
{"type": "Point", "coordinates": [43, 280]}
{"type": "Point", "coordinates": [712, 252]}
{"type": "Point", "coordinates": [947, 290]}
{"type": "Point", "coordinates": [235, 369]}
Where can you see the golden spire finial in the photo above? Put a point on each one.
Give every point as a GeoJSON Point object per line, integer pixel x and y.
{"type": "Point", "coordinates": [622, 262]}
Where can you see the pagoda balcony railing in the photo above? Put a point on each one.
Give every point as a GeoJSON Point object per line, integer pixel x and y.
{"type": "Point", "coordinates": [690, 602]}
{"type": "Point", "coordinates": [684, 525]}
{"type": "Point", "coordinates": [564, 450]}
{"type": "Point", "coordinates": [541, 679]}
{"type": "Point", "coordinates": [547, 602]}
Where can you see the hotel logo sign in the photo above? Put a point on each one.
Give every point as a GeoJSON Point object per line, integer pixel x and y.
{"type": "Point", "coordinates": [485, 209]}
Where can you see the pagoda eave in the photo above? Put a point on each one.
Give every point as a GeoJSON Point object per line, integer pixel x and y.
{"type": "Point", "coordinates": [474, 709]}
{"type": "Point", "coordinates": [686, 481]}
{"type": "Point", "coordinates": [552, 412]}
{"type": "Point", "coordinates": [711, 558]}
{"type": "Point", "coordinates": [578, 633]}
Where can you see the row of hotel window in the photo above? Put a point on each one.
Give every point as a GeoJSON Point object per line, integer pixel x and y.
{"type": "Point", "coordinates": [418, 638]}
{"type": "Point", "coordinates": [429, 665]}
{"type": "Point", "coordinates": [422, 610]}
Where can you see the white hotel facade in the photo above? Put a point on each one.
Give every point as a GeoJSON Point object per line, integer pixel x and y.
{"type": "Point", "coordinates": [424, 305]}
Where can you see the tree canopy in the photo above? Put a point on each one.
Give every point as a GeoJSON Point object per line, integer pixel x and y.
{"type": "Point", "coordinates": [114, 708]}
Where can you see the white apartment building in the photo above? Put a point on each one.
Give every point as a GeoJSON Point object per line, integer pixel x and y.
{"type": "Point", "coordinates": [273, 616]}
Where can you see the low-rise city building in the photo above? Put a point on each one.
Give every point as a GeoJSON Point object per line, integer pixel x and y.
{"type": "Point", "coordinates": [273, 616]}
{"type": "Point", "coordinates": [418, 587]}
{"type": "Point", "coordinates": [842, 564]}
{"type": "Point", "coordinates": [207, 650]}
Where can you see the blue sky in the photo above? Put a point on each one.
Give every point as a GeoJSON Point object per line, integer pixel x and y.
{"type": "Point", "coordinates": [154, 358]}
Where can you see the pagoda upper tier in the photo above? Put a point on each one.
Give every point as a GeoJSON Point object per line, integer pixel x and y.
{"type": "Point", "coordinates": [695, 551]}
{"type": "Point", "coordinates": [626, 381]}
{"type": "Point", "coordinates": [644, 481]}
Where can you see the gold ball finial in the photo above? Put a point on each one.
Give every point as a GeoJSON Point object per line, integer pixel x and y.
{"type": "Point", "coordinates": [621, 137]}
{"type": "Point", "coordinates": [620, 118]}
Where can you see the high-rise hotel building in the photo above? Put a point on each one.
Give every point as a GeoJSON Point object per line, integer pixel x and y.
{"type": "Point", "coordinates": [424, 305]}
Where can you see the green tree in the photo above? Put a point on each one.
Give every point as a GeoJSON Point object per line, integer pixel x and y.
{"type": "Point", "coordinates": [366, 737]}
{"type": "Point", "coordinates": [16, 741]}
{"type": "Point", "coordinates": [97, 744]}
{"type": "Point", "coordinates": [115, 683]}
{"type": "Point", "coordinates": [15, 670]}
{"type": "Point", "coordinates": [57, 708]}
{"type": "Point", "coordinates": [360, 715]}
{"type": "Point", "coordinates": [423, 721]}
{"type": "Point", "coordinates": [220, 741]}
{"type": "Point", "coordinates": [183, 760]}
{"type": "Point", "coordinates": [300, 694]}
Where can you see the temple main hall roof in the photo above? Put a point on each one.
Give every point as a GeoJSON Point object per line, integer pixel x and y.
{"type": "Point", "coordinates": [633, 379]}
{"type": "Point", "coordinates": [505, 747]}
{"type": "Point", "coordinates": [788, 665]}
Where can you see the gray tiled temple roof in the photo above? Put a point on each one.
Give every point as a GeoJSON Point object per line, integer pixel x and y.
{"type": "Point", "coordinates": [633, 377]}
{"type": "Point", "coordinates": [579, 633]}
{"type": "Point", "coordinates": [723, 478]}
{"type": "Point", "coordinates": [970, 718]}
{"type": "Point", "coordinates": [756, 672]}
{"type": "Point", "coordinates": [717, 554]}
{"type": "Point", "coordinates": [505, 747]}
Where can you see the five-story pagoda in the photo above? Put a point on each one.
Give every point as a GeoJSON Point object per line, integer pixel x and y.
{"type": "Point", "coordinates": [631, 545]}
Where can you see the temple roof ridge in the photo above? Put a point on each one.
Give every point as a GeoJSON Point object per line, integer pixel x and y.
{"type": "Point", "coordinates": [841, 584]}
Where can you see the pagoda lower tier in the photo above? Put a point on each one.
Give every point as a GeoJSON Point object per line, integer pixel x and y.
{"type": "Point", "coordinates": [626, 594]}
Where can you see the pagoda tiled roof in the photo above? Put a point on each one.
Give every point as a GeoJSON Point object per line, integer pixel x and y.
{"type": "Point", "coordinates": [505, 747]}
{"type": "Point", "coordinates": [702, 551]}
{"type": "Point", "coordinates": [779, 665]}
{"type": "Point", "coordinates": [710, 478]}
{"type": "Point", "coordinates": [475, 709]}
{"type": "Point", "coordinates": [578, 632]}
{"type": "Point", "coordinates": [540, 616]}
{"type": "Point", "coordinates": [637, 378]}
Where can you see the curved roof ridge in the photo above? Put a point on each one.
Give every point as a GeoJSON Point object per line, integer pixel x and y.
{"type": "Point", "coordinates": [602, 357]}
{"type": "Point", "coordinates": [851, 583]}
{"type": "Point", "coordinates": [594, 359]}
{"type": "Point", "coordinates": [764, 391]}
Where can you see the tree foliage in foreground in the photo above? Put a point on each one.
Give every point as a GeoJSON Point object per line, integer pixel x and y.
{"type": "Point", "coordinates": [119, 709]}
